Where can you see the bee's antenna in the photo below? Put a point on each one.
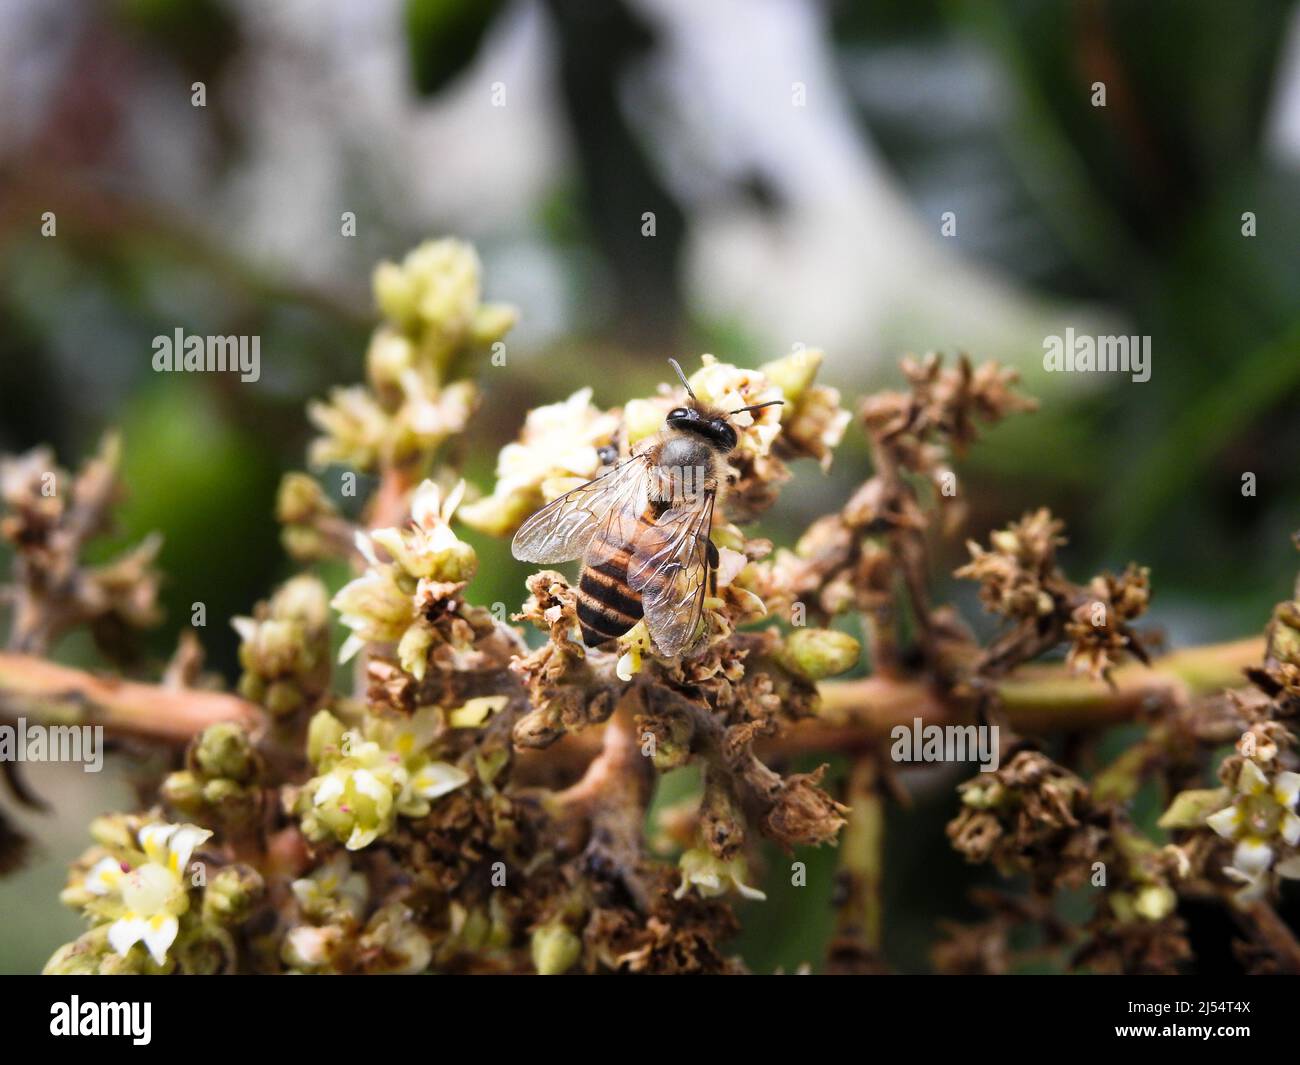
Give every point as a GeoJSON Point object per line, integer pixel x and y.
{"type": "Point", "coordinates": [760, 406]}
{"type": "Point", "coordinates": [686, 383]}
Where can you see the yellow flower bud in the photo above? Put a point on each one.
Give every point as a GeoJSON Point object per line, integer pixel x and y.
{"type": "Point", "coordinates": [555, 949]}
{"type": "Point", "coordinates": [500, 515]}
{"type": "Point", "coordinates": [795, 372]}
{"type": "Point", "coordinates": [324, 738]}
{"type": "Point", "coordinates": [224, 750]}
{"type": "Point", "coordinates": [642, 418]}
{"type": "Point", "coordinates": [819, 653]}
{"type": "Point", "coordinates": [1155, 902]}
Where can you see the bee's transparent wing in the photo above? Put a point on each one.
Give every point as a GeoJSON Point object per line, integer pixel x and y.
{"type": "Point", "coordinates": [671, 568]}
{"type": "Point", "coordinates": [562, 529]}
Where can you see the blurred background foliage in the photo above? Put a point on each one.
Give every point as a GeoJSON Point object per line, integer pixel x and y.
{"type": "Point", "coordinates": [776, 222]}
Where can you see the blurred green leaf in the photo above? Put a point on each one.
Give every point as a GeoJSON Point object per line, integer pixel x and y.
{"type": "Point", "coordinates": [443, 37]}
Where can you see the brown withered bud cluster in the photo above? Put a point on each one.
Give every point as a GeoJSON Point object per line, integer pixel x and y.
{"type": "Point", "coordinates": [943, 403]}
{"type": "Point", "coordinates": [915, 433]}
{"type": "Point", "coordinates": [1030, 815]}
{"type": "Point", "coordinates": [49, 516]}
{"type": "Point", "coordinates": [1140, 948]}
{"type": "Point", "coordinates": [311, 527]}
{"type": "Point", "coordinates": [677, 937]}
{"type": "Point", "coordinates": [1017, 573]}
{"type": "Point", "coordinates": [837, 566]}
{"type": "Point", "coordinates": [1279, 676]}
{"type": "Point", "coordinates": [1021, 582]}
{"type": "Point", "coordinates": [856, 559]}
{"type": "Point", "coordinates": [1098, 629]}
{"type": "Point", "coordinates": [565, 692]}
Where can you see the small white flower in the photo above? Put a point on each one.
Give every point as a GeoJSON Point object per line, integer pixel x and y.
{"type": "Point", "coordinates": [334, 884]}
{"type": "Point", "coordinates": [436, 778]}
{"type": "Point", "coordinates": [357, 798]}
{"type": "Point", "coordinates": [711, 876]}
{"type": "Point", "coordinates": [558, 440]}
{"type": "Point", "coordinates": [149, 898]}
{"type": "Point", "coordinates": [1261, 817]}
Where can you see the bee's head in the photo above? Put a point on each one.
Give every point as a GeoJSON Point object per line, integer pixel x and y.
{"type": "Point", "coordinates": [716, 429]}
{"type": "Point", "coordinates": [712, 425]}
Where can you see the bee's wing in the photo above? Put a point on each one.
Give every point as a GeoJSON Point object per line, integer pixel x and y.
{"type": "Point", "coordinates": [562, 529]}
{"type": "Point", "coordinates": [670, 568]}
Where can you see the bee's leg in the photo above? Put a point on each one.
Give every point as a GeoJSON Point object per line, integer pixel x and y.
{"type": "Point", "coordinates": [711, 550]}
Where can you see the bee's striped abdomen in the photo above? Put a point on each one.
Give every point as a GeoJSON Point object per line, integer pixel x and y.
{"type": "Point", "coordinates": [607, 607]}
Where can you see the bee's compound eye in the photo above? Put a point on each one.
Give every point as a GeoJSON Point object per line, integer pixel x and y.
{"type": "Point", "coordinates": [679, 412]}
{"type": "Point", "coordinates": [723, 432]}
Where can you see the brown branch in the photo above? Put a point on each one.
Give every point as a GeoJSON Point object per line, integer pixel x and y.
{"type": "Point", "coordinates": [612, 796]}
{"type": "Point", "coordinates": [1270, 933]}
{"type": "Point", "coordinates": [60, 695]}
{"type": "Point", "coordinates": [855, 945]}
{"type": "Point", "coordinates": [1036, 700]}
{"type": "Point", "coordinates": [1041, 699]}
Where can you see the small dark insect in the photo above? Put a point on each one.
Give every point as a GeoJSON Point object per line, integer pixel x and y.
{"type": "Point", "coordinates": [642, 531]}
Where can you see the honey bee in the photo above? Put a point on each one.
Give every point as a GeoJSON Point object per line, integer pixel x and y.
{"type": "Point", "coordinates": [642, 531]}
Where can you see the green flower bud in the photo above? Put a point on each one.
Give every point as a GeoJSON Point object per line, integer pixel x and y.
{"type": "Point", "coordinates": [502, 933]}
{"type": "Point", "coordinates": [112, 832]}
{"type": "Point", "coordinates": [433, 299]}
{"type": "Point", "coordinates": [304, 599]}
{"type": "Point", "coordinates": [555, 949]}
{"type": "Point", "coordinates": [209, 951]}
{"type": "Point", "coordinates": [300, 499]}
{"type": "Point", "coordinates": [413, 649]}
{"type": "Point", "coordinates": [231, 894]}
{"type": "Point", "coordinates": [74, 959]}
{"type": "Point", "coordinates": [500, 515]}
{"type": "Point", "coordinates": [397, 294]}
{"type": "Point", "coordinates": [492, 321]}
{"type": "Point", "coordinates": [819, 653]}
{"type": "Point", "coordinates": [252, 687]}
{"type": "Point", "coordinates": [1155, 902]}
{"type": "Point", "coordinates": [389, 356]}
{"type": "Point", "coordinates": [1189, 809]}
{"type": "Point", "coordinates": [983, 794]}
{"type": "Point", "coordinates": [276, 647]}
{"type": "Point", "coordinates": [642, 419]}
{"type": "Point", "coordinates": [224, 750]}
{"type": "Point", "coordinates": [232, 798]}
{"type": "Point", "coordinates": [183, 790]}
{"type": "Point", "coordinates": [794, 373]}
{"type": "Point", "coordinates": [324, 738]}
{"type": "Point", "coordinates": [283, 698]}
{"type": "Point", "coordinates": [1121, 904]}
{"type": "Point", "coordinates": [474, 932]}
{"type": "Point", "coordinates": [91, 955]}
{"type": "Point", "coordinates": [305, 544]}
